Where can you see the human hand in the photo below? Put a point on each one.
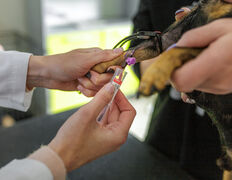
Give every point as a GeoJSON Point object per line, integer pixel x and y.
{"type": "Point", "coordinates": [62, 70]}
{"type": "Point", "coordinates": [211, 71]}
{"type": "Point", "coordinates": [82, 139]}
{"type": "Point", "coordinates": [91, 85]}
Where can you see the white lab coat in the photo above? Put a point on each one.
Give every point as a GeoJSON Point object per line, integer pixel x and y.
{"type": "Point", "coordinates": [13, 74]}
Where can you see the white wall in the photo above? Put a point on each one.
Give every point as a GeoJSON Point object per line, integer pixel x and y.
{"type": "Point", "coordinates": [13, 15]}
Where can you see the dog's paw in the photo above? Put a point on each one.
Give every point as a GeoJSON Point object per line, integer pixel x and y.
{"type": "Point", "coordinates": [157, 75]}
{"type": "Point", "coordinates": [140, 54]}
{"type": "Point", "coordinates": [154, 79]}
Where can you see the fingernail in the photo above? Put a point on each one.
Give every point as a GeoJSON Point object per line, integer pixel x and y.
{"type": "Point", "coordinates": [109, 87]}
{"type": "Point", "coordinates": [118, 50]}
{"type": "Point", "coordinates": [170, 47]}
{"type": "Point", "coordinates": [179, 11]}
{"type": "Point", "coordinates": [110, 71]}
{"type": "Point", "coordinates": [190, 101]}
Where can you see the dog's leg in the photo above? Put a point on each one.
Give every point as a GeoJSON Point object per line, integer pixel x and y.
{"type": "Point", "coordinates": [157, 75]}
{"type": "Point", "coordinates": [143, 51]}
{"type": "Point", "coordinates": [151, 48]}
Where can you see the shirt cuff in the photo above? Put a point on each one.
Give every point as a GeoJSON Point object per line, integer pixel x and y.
{"type": "Point", "coordinates": [14, 76]}
{"type": "Point", "coordinates": [51, 160]}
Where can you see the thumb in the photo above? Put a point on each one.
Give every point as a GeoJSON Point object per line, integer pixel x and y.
{"type": "Point", "coordinates": [101, 99]}
{"type": "Point", "coordinates": [107, 55]}
{"type": "Point", "coordinates": [193, 38]}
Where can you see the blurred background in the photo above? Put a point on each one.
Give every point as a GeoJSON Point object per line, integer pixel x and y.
{"type": "Point", "coordinates": [45, 27]}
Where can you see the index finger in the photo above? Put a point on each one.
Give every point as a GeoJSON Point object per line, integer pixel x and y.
{"type": "Point", "coordinates": [107, 55]}
{"type": "Point", "coordinates": [100, 79]}
{"type": "Point", "coordinates": [127, 111]}
{"type": "Point", "coordinates": [209, 32]}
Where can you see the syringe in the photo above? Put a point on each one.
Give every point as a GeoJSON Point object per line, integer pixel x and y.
{"type": "Point", "coordinates": [116, 80]}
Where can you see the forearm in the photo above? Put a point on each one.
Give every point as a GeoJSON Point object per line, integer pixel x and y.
{"type": "Point", "coordinates": [51, 72]}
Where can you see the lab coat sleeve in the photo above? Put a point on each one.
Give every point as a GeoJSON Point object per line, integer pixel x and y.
{"type": "Point", "coordinates": [43, 164]}
{"type": "Point", "coordinates": [25, 169]}
{"type": "Point", "coordinates": [13, 76]}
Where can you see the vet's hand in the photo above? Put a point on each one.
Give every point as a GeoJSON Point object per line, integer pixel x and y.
{"type": "Point", "coordinates": [82, 139]}
{"type": "Point", "coordinates": [211, 71]}
{"type": "Point", "coordinates": [91, 85]}
{"type": "Point", "coordinates": [61, 71]}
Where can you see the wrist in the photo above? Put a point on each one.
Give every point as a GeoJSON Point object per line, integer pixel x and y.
{"type": "Point", "coordinates": [49, 158]}
{"type": "Point", "coordinates": [71, 161]}
{"type": "Point", "coordinates": [36, 72]}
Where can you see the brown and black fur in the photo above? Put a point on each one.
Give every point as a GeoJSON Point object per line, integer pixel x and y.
{"type": "Point", "coordinates": [219, 107]}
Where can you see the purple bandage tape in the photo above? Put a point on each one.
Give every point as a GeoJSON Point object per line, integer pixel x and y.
{"type": "Point", "coordinates": [131, 60]}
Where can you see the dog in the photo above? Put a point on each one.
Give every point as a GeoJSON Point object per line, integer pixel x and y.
{"type": "Point", "coordinates": [219, 107]}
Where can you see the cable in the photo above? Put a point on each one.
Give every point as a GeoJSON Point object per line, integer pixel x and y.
{"type": "Point", "coordinates": [142, 35]}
